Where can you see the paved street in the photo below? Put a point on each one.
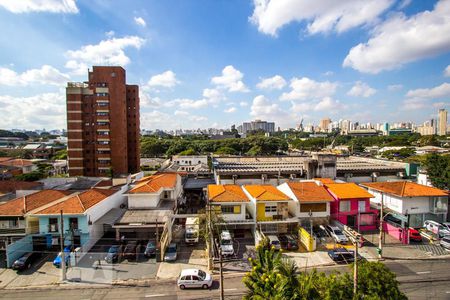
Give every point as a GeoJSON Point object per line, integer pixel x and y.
{"type": "Point", "coordinates": [419, 279]}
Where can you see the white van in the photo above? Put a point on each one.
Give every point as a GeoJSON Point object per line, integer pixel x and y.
{"type": "Point", "coordinates": [436, 228]}
{"type": "Point", "coordinates": [192, 230]}
{"type": "Point", "coordinates": [226, 243]}
{"type": "Point", "coordinates": [274, 242]}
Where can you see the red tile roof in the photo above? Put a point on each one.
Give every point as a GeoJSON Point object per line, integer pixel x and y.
{"type": "Point", "coordinates": [7, 186]}
{"type": "Point", "coordinates": [325, 180]}
{"type": "Point", "coordinates": [22, 205]}
{"type": "Point", "coordinates": [405, 189]}
{"type": "Point", "coordinates": [348, 191]}
{"type": "Point", "coordinates": [226, 193]}
{"type": "Point", "coordinates": [153, 183]}
{"type": "Point", "coordinates": [310, 192]}
{"type": "Point", "coordinates": [79, 203]}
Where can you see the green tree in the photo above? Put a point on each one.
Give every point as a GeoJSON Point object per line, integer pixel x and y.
{"type": "Point", "coordinates": [189, 151]}
{"type": "Point", "coordinates": [226, 150]}
{"type": "Point", "coordinates": [61, 154]}
{"type": "Point", "coordinates": [32, 176]}
{"type": "Point", "coordinates": [438, 169]}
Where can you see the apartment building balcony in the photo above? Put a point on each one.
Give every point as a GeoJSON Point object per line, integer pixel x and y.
{"type": "Point", "coordinates": [12, 231]}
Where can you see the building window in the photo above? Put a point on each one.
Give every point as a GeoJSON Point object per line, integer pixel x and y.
{"type": "Point", "coordinates": [103, 114]}
{"type": "Point", "coordinates": [53, 225]}
{"type": "Point", "coordinates": [73, 223]}
{"type": "Point", "coordinates": [101, 94]}
{"type": "Point", "coordinates": [362, 206]}
{"type": "Point", "coordinates": [344, 206]}
{"type": "Point", "coordinates": [313, 207]}
{"type": "Point", "coordinates": [103, 142]}
{"type": "Point", "coordinates": [13, 223]}
{"type": "Point", "coordinates": [438, 204]}
{"type": "Point", "coordinates": [227, 209]}
{"type": "Point", "coordinates": [102, 123]}
{"type": "Point", "coordinates": [271, 208]}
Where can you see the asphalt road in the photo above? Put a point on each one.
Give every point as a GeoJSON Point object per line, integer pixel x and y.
{"type": "Point", "coordinates": [419, 280]}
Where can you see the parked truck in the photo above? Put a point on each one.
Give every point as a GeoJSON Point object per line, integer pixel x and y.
{"type": "Point", "coordinates": [192, 230]}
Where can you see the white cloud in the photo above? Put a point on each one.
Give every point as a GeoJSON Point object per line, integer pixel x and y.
{"type": "Point", "coordinates": [440, 91]}
{"type": "Point", "coordinates": [230, 110]}
{"type": "Point", "coordinates": [145, 100]}
{"type": "Point", "coordinates": [110, 33]}
{"type": "Point", "coordinates": [447, 71]}
{"type": "Point", "coordinates": [421, 98]}
{"type": "Point", "coordinates": [263, 109]}
{"type": "Point", "coordinates": [404, 4]}
{"type": "Point", "coordinates": [156, 119]}
{"type": "Point", "coordinates": [187, 103]}
{"type": "Point", "coordinates": [45, 75]}
{"type": "Point", "coordinates": [305, 88]}
{"type": "Point", "coordinates": [321, 15]}
{"type": "Point", "coordinates": [395, 87]}
{"type": "Point", "coordinates": [231, 80]}
{"type": "Point", "coordinates": [328, 73]}
{"type": "Point", "coordinates": [107, 52]}
{"type": "Point", "coordinates": [401, 39]}
{"type": "Point", "coordinates": [198, 118]}
{"type": "Point", "coordinates": [166, 79]}
{"type": "Point", "coordinates": [272, 83]}
{"type": "Point", "coordinates": [34, 112]}
{"type": "Point", "coordinates": [140, 21]}
{"type": "Point", "coordinates": [213, 96]}
{"type": "Point", "coordinates": [181, 113]}
{"type": "Point", "coordinates": [329, 104]}
{"type": "Point", "coordinates": [243, 103]}
{"type": "Point", "coordinates": [361, 89]}
{"type": "Point", "coordinates": [52, 6]}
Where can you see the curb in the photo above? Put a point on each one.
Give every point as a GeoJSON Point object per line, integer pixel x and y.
{"type": "Point", "coordinates": [442, 257]}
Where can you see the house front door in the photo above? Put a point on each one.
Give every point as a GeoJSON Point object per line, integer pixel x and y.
{"type": "Point", "coordinates": [351, 220]}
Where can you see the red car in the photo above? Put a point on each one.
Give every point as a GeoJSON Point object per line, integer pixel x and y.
{"type": "Point", "coordinates": [414, 235]}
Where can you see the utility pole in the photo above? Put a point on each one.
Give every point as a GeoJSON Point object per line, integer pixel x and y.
{"type": "Point", "coordinates": [61, 242]}
{"type": "Point", "coordinates": [355, 268]}
{"type": "Point", "coordinates": [221, 275]}
{"type": "Point", "coordinates": [380, 239]}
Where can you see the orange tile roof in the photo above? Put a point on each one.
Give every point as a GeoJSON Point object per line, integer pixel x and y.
{"type": "Point", "coordinates": [17, 163]}
{"type": "Point", "coordinates": [154, 183]}
{"type": "Point", "coordinates": [266, 193]}
{"type": "Point", "coordinates": [14, 185]}
{"type": "Point", "coordinates": [405, 189]}
{"type": "Point", "coordinates": [325, 180]}
{"type": "Point", "coordinates": [226, 193]}
{"type": "Point", "coordinates": [22, 205]}
{"type": "Point", "coordinates": [79, 203]}
{"type": "Point", "coordinates": [348, 191]}
{"type": "Point", "coordinates": [310, 192]}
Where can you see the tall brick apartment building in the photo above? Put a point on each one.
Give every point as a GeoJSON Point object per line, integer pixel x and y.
{"type": "Point", "coordinates": [103, 124]}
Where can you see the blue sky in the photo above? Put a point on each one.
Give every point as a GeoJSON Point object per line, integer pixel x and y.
{"type": "Point", "coordinates": [207, 63]}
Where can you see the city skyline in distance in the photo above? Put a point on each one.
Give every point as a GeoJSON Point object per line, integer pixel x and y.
{"type": "Point", "coordinates": [267, 65]}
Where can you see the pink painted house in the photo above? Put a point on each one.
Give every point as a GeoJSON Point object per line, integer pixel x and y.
{"type": "Point", "coordinates": [352, 206]}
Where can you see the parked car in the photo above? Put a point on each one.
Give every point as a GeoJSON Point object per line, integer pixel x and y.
{"type": "Point", "coordinates": [274, 242]}
{"type": "Point", "coordinates": [341, 255]}
{"type": "Point", "coordinates": [414, 235]}
{"type": "Point", "coordinates": [445, 242]}
{"type": "Point", "coordinates": [130, 250]}
{"type": "Point", "coordinates": [436, 228]}
{"type": "Point", "coordinates": [150, 249]}
{"type": "Point", "coordinates": [57, 261]}
{"type": "Point", "coordinates": [171, 252]}
{"type": "Point", "coordinates": [288, 242]}
{"type": "Point", "coordinates": [194, 278]}
{"type": "Point", "coordinates": [113, 254]}
{"type": "Point", "coordinates": [226, 243]}
{"type": "Point", "coordinates": [337, 234]}
{"type": "Point", "coordinates": [446, 225]}
{"type": "Point", "coordinates": [25, 261]}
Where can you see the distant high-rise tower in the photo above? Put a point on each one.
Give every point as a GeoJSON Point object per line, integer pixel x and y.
{"type": "Point", "coordinates": [442, 123]}
{"type": "Point", "coordinates": [103, 124]}
{"type": "Point", "coordinates": [324, 123]}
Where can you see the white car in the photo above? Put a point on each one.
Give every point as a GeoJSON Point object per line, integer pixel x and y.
{"type": "Point", "coordinates": [274, 242]}
{"type": "Point", "coordinates": [226, 243]}
{"type": "Point", "coordinates": [194, 278]}
{"type": "Point", "coordinates": [437, 228]}
{"type": "Point", "coordinates": [337, 234]}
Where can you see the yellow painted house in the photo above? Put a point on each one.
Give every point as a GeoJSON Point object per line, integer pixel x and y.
{"type": "Point", "coordinates": [271, 203]}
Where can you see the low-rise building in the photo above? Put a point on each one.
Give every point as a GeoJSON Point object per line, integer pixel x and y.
{"type": "Point", "coordinates": [352, 206]}
{"type": "Point", "coordinates": [232, 206]}
{"type": "Point", "coordinates": [272, 209]}
{"type": "Point", "coordinates": [311, 201]}
{"type": "Point", "coordinates": [414, 202]}
{"type": "Point", "coordinates": [81, 213]}
{"type": "Point", "coordinates": [15, 215]}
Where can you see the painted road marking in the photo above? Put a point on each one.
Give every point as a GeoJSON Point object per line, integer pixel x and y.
{"type": "Point", "coordinates": [155, 295]}
{"type": "Point", "coordinates": [423, 272]}
{"type": "Point", "coordinates": [234, 289]}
